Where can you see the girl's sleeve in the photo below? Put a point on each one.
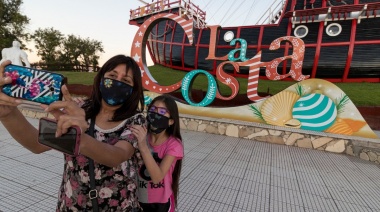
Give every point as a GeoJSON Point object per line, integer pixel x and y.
{"type": "Point", "coordinates": [175, 148]}
{"type": "Point", "coordinates": [127, 134]}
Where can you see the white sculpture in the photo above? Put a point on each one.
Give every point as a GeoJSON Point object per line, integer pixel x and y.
{"type": "Point", "coordinates": [15, 54]}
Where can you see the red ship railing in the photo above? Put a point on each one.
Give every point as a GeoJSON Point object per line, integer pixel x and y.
{"type": "Point", "coordinates": [327, 14]}
{"type": "Point", "coordinates": [186, 8]}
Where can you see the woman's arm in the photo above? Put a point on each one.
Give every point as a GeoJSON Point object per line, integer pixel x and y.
{"type": "Point", "coordinates": [109, 155]}
{"type": "Point", "coordinates": [23, 132]}
{"type": "Point", "coordinates": [17, 125]}
{"type": "Point", "coordinates": [13, 120]}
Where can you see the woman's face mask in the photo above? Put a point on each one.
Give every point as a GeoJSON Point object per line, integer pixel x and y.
{"type": "Point", "coordinates": [157, 122]}
{"type": "Point", "coordinates": [115, 92]}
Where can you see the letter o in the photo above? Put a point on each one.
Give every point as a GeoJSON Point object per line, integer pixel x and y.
{"type": "Point", "coordinates": [211, 90]}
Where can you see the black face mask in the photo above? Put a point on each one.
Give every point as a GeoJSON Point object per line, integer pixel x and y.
{"type": "Point", "coordinates": [115, 92]}
{"type": "Point", "coordinates": [157, 122]}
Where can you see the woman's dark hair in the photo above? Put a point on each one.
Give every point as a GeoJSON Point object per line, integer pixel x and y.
{"type": "Point", "coordinates": [173, 130]}
{"type": "Point", "coordinates": [135, 102]}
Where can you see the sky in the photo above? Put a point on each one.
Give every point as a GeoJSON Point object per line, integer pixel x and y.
{"type": "Point", "coordinates": [108, 21]}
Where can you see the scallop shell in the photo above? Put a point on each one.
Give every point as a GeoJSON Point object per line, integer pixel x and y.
{"type": "Point", "coordinates": [340, 127]}
{"type": "Point", "coordinates": [355, 125]}
{"type": "Point", "coordinates": [293, 123]}
{"type": "Point", "coordinates": [277, 110]}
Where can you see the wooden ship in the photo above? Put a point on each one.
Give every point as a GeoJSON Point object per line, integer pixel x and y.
{"type": "Point", "coordinates": [342, 38]}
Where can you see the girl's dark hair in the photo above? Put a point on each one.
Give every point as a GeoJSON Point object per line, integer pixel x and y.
{"type": "Point", "coordinates": [135, 102]}
{"type": "Point", "coordinates": [173, 130]}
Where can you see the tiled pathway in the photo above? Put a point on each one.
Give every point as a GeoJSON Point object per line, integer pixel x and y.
{"type": "Point", "coordinates": [220, 174]}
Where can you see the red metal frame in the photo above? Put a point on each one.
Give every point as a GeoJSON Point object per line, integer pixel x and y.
{"type": "Point", "coordinates": [350, 50]}
{"type": "Point", "coordinates": [166, 28]}
{"type": "Point", "coordinates": [317, 50]}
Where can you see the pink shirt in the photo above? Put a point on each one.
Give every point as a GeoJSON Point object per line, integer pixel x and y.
{"type": "Point", "coordinates": [161, 192]}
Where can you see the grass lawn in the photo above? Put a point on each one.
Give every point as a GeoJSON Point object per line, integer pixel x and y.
{"type": "Point", "coordinates": [361, 94]}
{"type": "Point", "coordinates": [84, 78]}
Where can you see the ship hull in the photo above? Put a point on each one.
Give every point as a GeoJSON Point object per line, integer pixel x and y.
{"type": "Point", "coordinates": [352, 56]}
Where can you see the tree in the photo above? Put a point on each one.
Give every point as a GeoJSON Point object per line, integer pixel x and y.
{"type": "Point", "coordinates": [81, 52]}
{"type": "Point", "coordinates": [90, 48]}
{"type": "Point", "coordinates": [48, 44]}
{"type": "Point", "coordinates": [12, 23]}
{"type": "Point", "coordinates": [72, 50]}
{"type": "Point", "coordinates": [71, 53]}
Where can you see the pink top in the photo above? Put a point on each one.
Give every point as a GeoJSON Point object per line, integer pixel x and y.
{"type": "Point", "coordinates": [161, 192]}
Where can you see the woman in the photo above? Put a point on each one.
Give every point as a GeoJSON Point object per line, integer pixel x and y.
{"type": "Point", "coordinates": [115, 104]}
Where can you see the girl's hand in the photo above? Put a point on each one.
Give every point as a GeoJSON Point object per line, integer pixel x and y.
{"type": "Point", "coordinates": [140, 133]}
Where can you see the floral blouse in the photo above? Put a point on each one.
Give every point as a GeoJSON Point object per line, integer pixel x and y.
{"type": "Point", "coordinates": [116, 186]}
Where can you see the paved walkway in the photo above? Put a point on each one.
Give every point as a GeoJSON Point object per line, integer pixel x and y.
{"type": "Point", "coordinates": [219, 174]}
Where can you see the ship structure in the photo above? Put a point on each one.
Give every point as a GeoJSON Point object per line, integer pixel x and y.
{"type": "Point", "coordinates": [342, 38]}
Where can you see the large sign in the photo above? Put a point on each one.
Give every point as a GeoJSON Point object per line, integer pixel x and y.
{"type": "Point", "coordinates": [254, 63]}
{"type": "Point", "coordinates": [309, 105]}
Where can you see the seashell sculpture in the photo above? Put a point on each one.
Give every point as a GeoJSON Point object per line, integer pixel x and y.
{"type": "Point", "coordinates": [294, 123]}
{"type": "Point", "coordinates": [340, 127]}
{"type": "Point", "coordinates": [147, 100]}
{"type": "Point", "coordinates": [277, 110]}
{"type": "Point", "coordinates": [315, 112]}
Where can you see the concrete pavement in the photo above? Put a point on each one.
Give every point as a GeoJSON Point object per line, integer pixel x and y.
{"type": "Point", "coordinates": [219, 174]}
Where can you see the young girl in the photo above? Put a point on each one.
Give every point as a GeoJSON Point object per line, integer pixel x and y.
{"type": "Point", "coordinates": [161, 149]}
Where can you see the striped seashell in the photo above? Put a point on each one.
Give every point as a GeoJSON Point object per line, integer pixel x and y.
{"type": "Point", "coordinates": [315, 112]}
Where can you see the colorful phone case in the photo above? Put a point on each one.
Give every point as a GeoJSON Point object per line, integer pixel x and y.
{"type": "Point", "coordinates": [48, 138]}
{"type": "Point", "coordinates": [33, 85]}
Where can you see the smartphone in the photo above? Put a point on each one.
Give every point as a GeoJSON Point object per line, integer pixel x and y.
{"type": "Point", "coordinates": [33, 84]}
{"type": "Point", "coordinates": [67, 143]}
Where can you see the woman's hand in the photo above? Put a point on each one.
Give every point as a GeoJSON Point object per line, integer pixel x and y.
{"type": "Point", "coordinates": [140, 133]}
{"type": "Point", "coordinates": [67, 113]}
{"type": "Point", "coordinates": [66, 121]}
{"type": "Point", "coordinates": [7, 103]}
{"type": "Point", "coordinates": [79, 100]}
{"type": "Point", "coordinates": [68, 106]}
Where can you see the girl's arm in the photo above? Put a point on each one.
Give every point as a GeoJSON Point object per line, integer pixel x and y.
{"type": "Point", "coordinates": [157, 173]}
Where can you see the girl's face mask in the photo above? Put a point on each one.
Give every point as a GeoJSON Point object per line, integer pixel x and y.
{"type": "Point", "coordinates": [115, 92]}
{"type": "Point", "coordinates": [157, 122]}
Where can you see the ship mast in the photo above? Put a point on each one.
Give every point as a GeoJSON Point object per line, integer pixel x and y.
{"type": "Point", "coordinates": [273, 14]}
{"type": "Point", "coordinates": [143, 2]}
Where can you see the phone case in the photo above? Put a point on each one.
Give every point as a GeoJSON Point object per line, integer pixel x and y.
{"type": "Point", "coordinates": [52, 142]}
{"type": "Point", "coordinates": [33, 85]}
